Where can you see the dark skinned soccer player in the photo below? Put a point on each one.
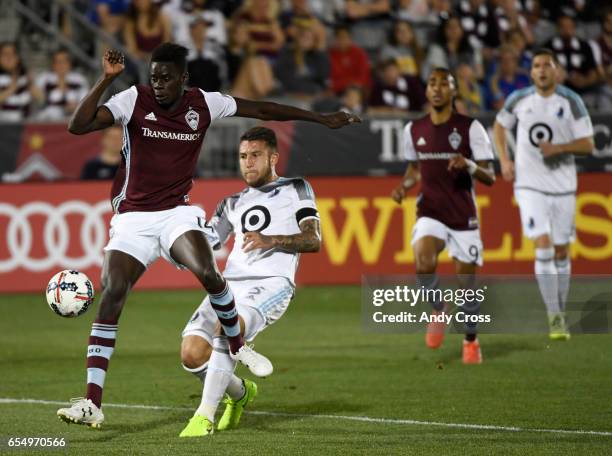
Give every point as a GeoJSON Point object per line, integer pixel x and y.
{"type": "Point", "coordinates": [446, 151]}
{"type": "Point", "coordinates": [164, 127]}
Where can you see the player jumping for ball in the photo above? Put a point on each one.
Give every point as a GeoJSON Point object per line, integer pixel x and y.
{"type": "Point", "coordinates": [273, 220]}
{"type": "Point", "coordinates": [446, 151]}
{"type": "Point", "coordinates": [164, 126]}
{"type": "Point", "coordinates": [552, 125]}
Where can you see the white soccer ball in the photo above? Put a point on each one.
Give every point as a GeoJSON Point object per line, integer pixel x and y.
{"type": "Point", "coordinates": [70, 293]}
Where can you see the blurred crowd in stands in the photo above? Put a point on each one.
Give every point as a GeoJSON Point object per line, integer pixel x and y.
{"type": "Point", "coordinates": [363, 56]}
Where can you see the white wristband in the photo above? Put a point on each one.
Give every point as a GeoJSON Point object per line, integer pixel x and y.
{"type": "Point", "coordinates": [471, 166]}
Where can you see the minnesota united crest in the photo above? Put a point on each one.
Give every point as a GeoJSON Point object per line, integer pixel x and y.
{"type": "Point", "coordinates": [192, 118]}
{"type": "Point", "coordinates": [454, 139]}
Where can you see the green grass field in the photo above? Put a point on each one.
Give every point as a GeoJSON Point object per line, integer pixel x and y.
{"type": "Point", "coordinates": [327, 371]}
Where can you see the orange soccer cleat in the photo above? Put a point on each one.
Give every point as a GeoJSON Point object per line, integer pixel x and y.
{"type": "Point", "coordinates": [471, 352]}
{"type": "Point", "coordinates": [435, 329]}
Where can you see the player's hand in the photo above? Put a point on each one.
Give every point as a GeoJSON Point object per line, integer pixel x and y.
{"type": "Point", "coordinates": [507, 169]}
{"type": "Point", "coordinates": [457, 162]}
{"type": "Point", "coordinates": [254, 240]}
{"type": "Point", "coordinates": [113, 63]}
{"type": "Point", "coordinates": [398, 193]}
{"type": "Point", "coordinates": [549, 150]}
{"type": "Point", "coordinates": [339, 119]}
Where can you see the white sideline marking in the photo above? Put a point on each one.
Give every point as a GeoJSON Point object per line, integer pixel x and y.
{"type": "Point", "coordinates": [363, 419]}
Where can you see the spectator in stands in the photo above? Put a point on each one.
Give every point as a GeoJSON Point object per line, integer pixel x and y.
{"type": "Point", "coordinates": [508, 78]}
{"type": "Point", "coordinates": [105, 165]}
{"type": "Point", "coordinates": [182, 13]}
{"type": "Point", "coordinates": [509, 16]}
{"type": "Point", "coordinates": [250, 75]}
{"type": "Point", "coordinates": [349, 63]}
{"type": "Point", "coordinates": [469, 90]}
{"type": "Point", "coordinates": [369, 21]}
{"type": "Point", "coordinates": [265, 32]}
{"type": "Point", "coordinates": [301, 68]}
{"type": "Point", "coordinates": [478, 22]}
{"type": "Point", "coordinates": [109, 15]}
{"type": "Point", "coordinates": [204, 66]}
{"type": "Point", "coordinates": [415, 11]}
{"type": "Point", "coordinates": [404, 48]}
{"type": "Point", "coordinates": [146, 28]}
{"type": "Point", "coordinates": [452, 48]}
{"type": "Point", "coordinates": [59, 90]}
{"type": "Point", "coordinates": [516, 39]}
{"type": "Point", "coordinates": [395, 93]}
{"type": "Point", "coordinates": [576, 57]}
{"type": "Point", "coordinates": [353, 100]}
{"type": "Point", "coordinates": [300, 15]}
{"type": "Point", "coordinates": [15, 85]}
{"type": "Point", "coordinates": [603, 46]}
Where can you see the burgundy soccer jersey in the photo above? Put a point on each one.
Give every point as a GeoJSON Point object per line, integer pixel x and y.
{"type": "Point", "coordinates": [446, 196]}
{"type": "Point", "coordinates": [160, 147]}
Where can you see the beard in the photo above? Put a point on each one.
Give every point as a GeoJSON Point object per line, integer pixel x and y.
{"type": "Point", "coordinates": [263, 179]}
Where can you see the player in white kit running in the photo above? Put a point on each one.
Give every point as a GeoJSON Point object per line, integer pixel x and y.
{"type": "Point", "coordinates": [552, 124]}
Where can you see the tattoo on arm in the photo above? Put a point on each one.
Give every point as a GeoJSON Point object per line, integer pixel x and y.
{"type": "Point", "coordinates": [309, 240]}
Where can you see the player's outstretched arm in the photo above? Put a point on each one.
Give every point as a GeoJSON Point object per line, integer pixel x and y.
{"type": "Point", "coordinates": [308, 240]}
{"type": "Point", "coordinates": [266, 110]}
{"type": "Point", "coordinates": [410, 179]}
{"type": "Point", "coordinates": [88, 116]}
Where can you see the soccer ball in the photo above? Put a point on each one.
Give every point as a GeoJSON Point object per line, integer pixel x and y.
{"type": "Point", "coordinates": [70, 293]}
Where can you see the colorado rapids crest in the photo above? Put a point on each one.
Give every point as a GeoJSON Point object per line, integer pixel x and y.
{"type": "Point", "coordinates": [192, 118]}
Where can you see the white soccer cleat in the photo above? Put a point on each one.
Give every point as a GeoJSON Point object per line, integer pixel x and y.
{"type": "Point", "coordinates": [258, 364]}
{"type": "Point", "coordinates": [82, 411]}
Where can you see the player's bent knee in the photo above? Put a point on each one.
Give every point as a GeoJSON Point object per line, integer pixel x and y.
{"type": "Point", "coordinates": [425, 264]}
{"type": "Point", "coordinates": [561, 252]}
{"type": "Point", "coordinates": [195, 351]}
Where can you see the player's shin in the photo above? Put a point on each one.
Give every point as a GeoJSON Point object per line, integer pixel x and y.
{"type": "Point", "coordinates": [564, 272]}
{"type": "Point", "coordinates": [220, 372]}
{"type": "Point", "coordinates": [99, 351]}
{"type": "Point", "coordinates": [471, 308]}
{"type": "Point", "coordinates": [546, 275]}
{"type": "Point", "coordinates": [430, 282]}
{"type": "Point", "coordinates": [225, 307]}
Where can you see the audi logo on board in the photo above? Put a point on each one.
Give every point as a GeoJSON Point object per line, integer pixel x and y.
{"type": "Point", "coordinates": [56, 235]}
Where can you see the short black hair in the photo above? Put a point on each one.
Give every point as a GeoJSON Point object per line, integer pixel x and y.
{"type": "Point", "coordinates": [446, 71]}
{"type": "Point", "coordinates": [260, 134]}
{"type": "Point", "coordinates": [173, 53]}
{"type": "Point", "coordinates": [545, 51]}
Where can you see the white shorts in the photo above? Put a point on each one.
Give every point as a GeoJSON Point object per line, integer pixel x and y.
{"type": "Point", "coordinates": [148, 235]}
{"type": "Point", "coordinates": [464, 245]}
{"type": "Point", "coordinates": [547, 214]}
{"type": "Point", "coordinates": [259, 302]}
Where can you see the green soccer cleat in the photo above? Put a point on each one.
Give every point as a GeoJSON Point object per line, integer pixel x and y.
{"type": "Point", "coordinates": [558, 327]}
{"type": "Point", "coordinates": [233, 409]}
{"type": "Point", "coordinates": [198, 426]}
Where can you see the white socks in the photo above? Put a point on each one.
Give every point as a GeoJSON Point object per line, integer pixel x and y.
{"type": "Point", "coordinates": [564, 271]}
{"type": "Point", "coordinates": [546, 275]}
{"type": "Point", "coordinates": [218, 378]}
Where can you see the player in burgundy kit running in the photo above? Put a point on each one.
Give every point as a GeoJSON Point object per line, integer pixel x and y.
{"type": "Point", "coordinates": [164, 127]}
{"type": "Point", "coordinates": [446, 151]}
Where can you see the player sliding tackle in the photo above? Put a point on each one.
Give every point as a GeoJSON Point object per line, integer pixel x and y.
{"type": "Point", "coordinates": [446, 151]}
{"type": "Point", "coordinates": [552, 125]}
{"type": "Point", "coordinates": [273, 220]}
{"type": "Point", "coordinates": [164, 127]}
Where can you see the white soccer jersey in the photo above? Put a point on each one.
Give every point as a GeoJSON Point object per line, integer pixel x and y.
{"type": "Point", "coordinates": [273, 209]}
{"type": "Point", "coordinates": [559, 118]}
